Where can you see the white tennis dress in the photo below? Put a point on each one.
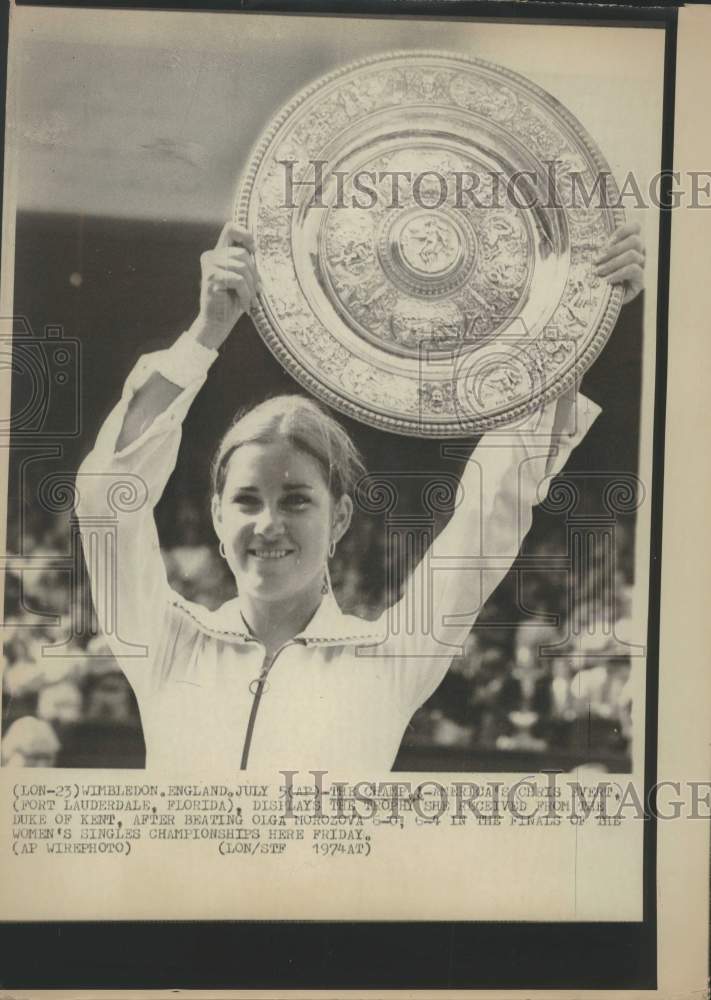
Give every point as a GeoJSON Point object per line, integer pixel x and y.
{"type": "Point", "coordinates": [339, 695]}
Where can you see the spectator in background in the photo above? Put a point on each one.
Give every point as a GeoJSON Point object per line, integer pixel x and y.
{"type": "Point", "coordinates": [193, 567]}
{"type": "Point", "coordinates": [29, 742]}
{"type": "Point", "coordinates": [109, 699]}
{"type": "Point", "coordinates": [60, 703]}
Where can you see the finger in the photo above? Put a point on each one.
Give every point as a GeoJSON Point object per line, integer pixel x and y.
{"type": "Point", "coordinates": [226, 280]}
{"type": "Point", "coordinates": [632, 290]}
{"type": "Point", "coordinates": [622, 232]}
{"type": "Point", "coordinates": [631, 273]}
{"type": "Point", "coordinates": [615, 249]}
{"type": "Point", "coordinates": [236, 296]}
{"type": "Point", "coordinates": [243, 268]}
{"type": "Point", "coordinates": [257, 275]}
{"type": "Point", "coordinates": [621, 261]}
{"type": "Point", "coordinates": [251, 266]}
{"type": "Point", "coordinates": [234, 234]}
{"type": "Point", "coordinates": [231, 257]}
{"type": "Point", "coordinates": [234, 253]}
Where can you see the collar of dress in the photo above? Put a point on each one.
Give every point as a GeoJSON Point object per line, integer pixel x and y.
{"type": "Point", "coordinates": [328, 627]}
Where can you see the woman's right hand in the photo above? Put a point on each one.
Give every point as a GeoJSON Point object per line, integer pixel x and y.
{"type": "Point", "coordinates": [229, 284]}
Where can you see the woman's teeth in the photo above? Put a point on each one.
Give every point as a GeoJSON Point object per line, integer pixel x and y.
{"type": "Point", "coordinates": [269, 553]}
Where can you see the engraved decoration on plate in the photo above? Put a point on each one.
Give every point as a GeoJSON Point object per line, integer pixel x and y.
{"type": "Point", "coordinates": [425, 245]}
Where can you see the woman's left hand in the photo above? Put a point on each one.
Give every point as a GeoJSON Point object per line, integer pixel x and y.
{"type": "Point", "coordinates": [621, 260]}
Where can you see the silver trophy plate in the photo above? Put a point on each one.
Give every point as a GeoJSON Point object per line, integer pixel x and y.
{"type": "Point", "coordinates": [425, 225]}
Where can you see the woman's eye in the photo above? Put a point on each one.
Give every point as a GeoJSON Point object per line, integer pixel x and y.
{"type": "Point", "coordinates": [245, 500]}
{"type": "Point", "coordinates": [296, 500]}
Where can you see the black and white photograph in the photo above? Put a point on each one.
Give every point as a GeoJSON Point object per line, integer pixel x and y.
{"type": "Point", "coordinates": [336, 352]}
{"type": "Point", "coordinates": [340, 467]}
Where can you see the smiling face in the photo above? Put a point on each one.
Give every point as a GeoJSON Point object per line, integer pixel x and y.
{"type": "Point", "coordinates": [276, 519]}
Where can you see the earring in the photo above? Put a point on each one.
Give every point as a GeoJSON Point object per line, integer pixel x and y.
{"type": "Point", "coordinates": [326, 587]}
{"type": "Point", "coordinates": [222, 550]}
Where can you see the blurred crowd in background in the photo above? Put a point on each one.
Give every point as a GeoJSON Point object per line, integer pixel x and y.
{"type": "Point", "coordinates": [66, 703]}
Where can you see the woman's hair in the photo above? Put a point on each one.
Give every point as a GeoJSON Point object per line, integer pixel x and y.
{"type": "Point", "coordinates": [307, 426]}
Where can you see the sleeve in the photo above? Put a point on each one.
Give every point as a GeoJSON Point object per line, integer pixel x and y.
{"type": "Point", "coordinates": [116, 493]}
{"type": "Point", "coordinates": [506, 476]}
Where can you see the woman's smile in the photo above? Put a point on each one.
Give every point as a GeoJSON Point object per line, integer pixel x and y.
{"type": "Point", "coordinates": [262, 552]}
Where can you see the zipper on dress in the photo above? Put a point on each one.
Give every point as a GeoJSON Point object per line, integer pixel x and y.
{"type": "Point", "coordinates": [257, 689]}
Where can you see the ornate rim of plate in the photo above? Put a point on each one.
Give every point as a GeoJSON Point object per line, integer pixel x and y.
{"type": "Point", "coordinates": [434, 318]}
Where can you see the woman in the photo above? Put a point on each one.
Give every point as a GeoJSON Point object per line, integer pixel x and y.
{"type": "Point", "coordinates": [279, 678]}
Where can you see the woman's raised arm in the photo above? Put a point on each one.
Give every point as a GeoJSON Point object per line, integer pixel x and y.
{"type": "Point", "coordinates": [228, 288]}
{"type": "Point", "coordinates": [121, 480]}
{"type": "Point", "coordinates": [506, 476]}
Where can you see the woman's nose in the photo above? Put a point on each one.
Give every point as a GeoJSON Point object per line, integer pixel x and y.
{"type": "Point", "coordinates": [269, 522]}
